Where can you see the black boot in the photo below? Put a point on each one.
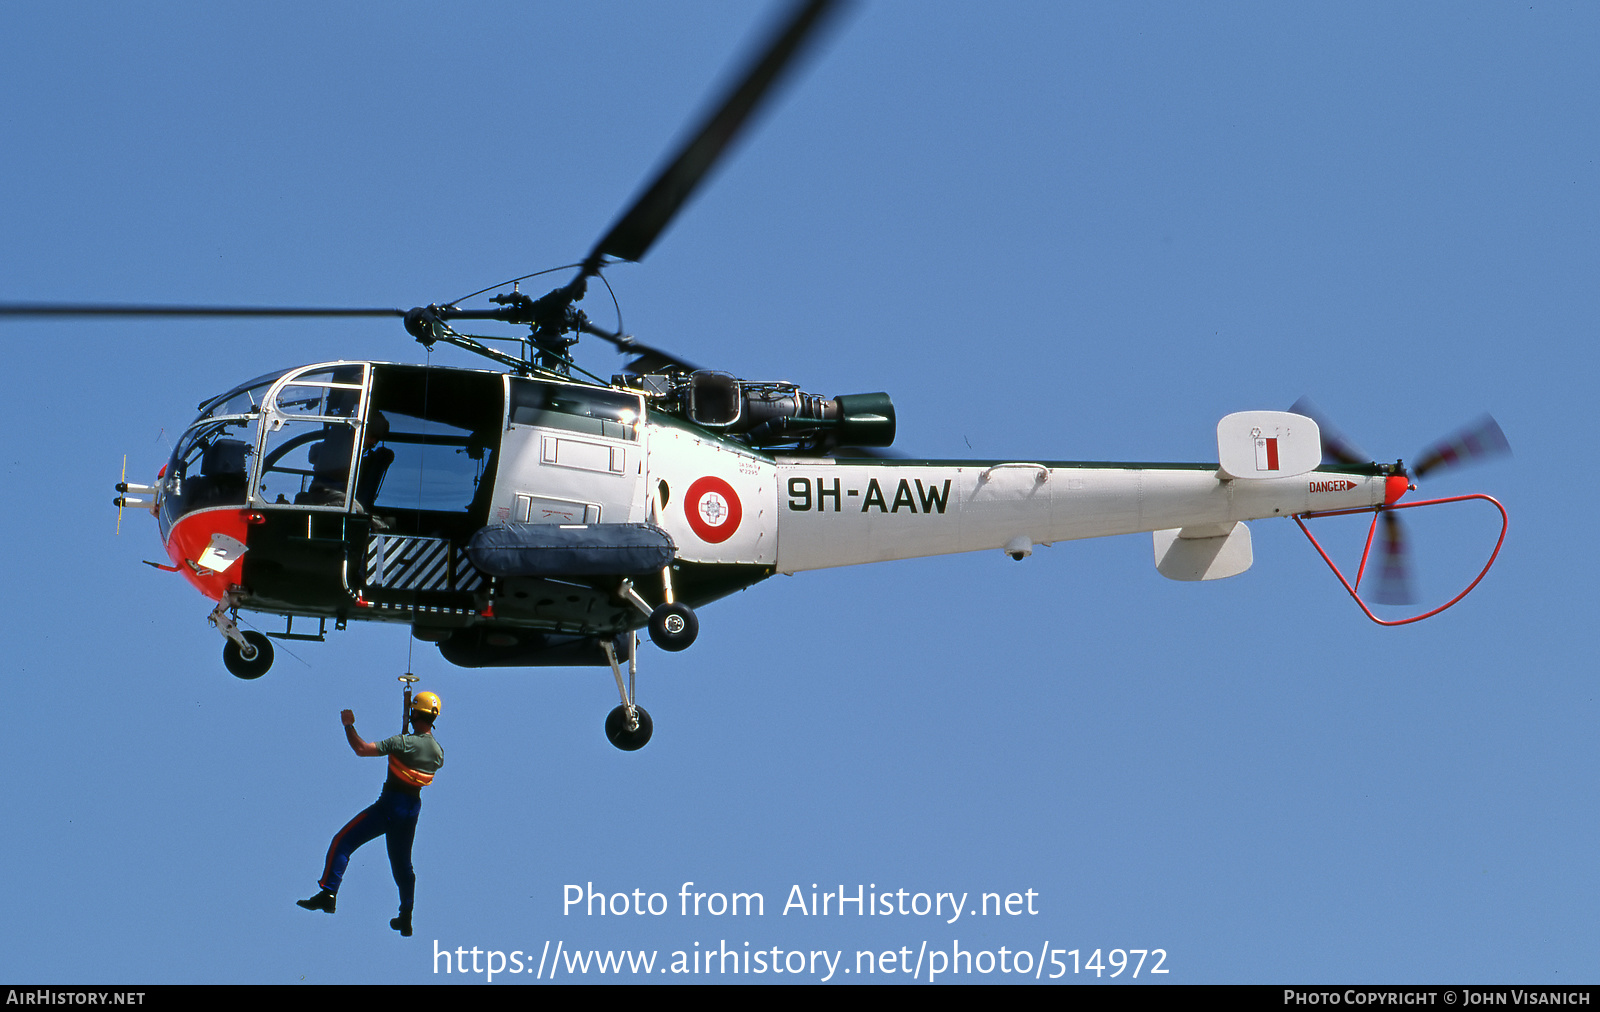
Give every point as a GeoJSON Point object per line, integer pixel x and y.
{"type": "Point", "coordinates": [402, 923]}
{"type": "Point", "coordinates": [323, 901]}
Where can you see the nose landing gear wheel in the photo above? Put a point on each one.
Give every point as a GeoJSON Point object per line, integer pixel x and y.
{"type": "Point", "coordinates": [619, 735]}
{"type": "Point", "coordinates": [673, 627]}
{"type": "Point", "coordinates": [252, 661]}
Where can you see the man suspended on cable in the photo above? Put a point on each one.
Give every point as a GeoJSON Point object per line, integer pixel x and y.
{"type": "Point", "coordinates": [413, 760]}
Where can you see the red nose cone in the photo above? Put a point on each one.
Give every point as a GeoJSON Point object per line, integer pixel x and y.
{"type": "Point", "coordinates": [192, 535]}
{"type": "Point", "coordinates": [1395, 486]}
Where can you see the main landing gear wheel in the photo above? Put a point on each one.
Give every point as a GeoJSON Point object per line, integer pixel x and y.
{"type": "Point", "coordinates": [253, 660]}
{"type": "Point", "coordinates": [619, 735]}
{"type": "Point", "coordinates": [673, 627]}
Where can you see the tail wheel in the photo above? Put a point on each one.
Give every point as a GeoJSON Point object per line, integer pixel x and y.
{"type": "Point", "coordinates": [674, 627]}
{"type": "Point", "coordinates": [251, 661]}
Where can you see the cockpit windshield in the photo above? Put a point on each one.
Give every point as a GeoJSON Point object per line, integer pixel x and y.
{"type": "Point", "coordinates": [244, 399]}
{"type": "Point", "coordinates": [285, 437]}
{"type": "Point", "coordinates": [210, 467]}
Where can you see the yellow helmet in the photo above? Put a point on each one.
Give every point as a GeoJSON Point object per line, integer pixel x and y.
{"type": "Point", "coordinates": [425, 704]}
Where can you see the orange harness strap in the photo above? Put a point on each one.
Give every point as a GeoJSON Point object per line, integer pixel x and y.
{"type": "Point", "coordinates": [415, 778]}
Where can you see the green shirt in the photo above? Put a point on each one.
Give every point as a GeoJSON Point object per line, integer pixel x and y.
{"type": "Point", "coordinates": [418, 751]}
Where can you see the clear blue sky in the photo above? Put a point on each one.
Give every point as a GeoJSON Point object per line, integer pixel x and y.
{"type": "Point", "coordinates": [1050, 231]}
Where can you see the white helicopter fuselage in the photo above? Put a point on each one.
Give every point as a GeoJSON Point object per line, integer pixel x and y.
{"type": "Point", "coordinates": [724, 503]}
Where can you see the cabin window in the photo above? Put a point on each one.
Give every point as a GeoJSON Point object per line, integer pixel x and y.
{"type": "Point", "coordinates": [426, 465]}
{"type": "Point", "coordinates": [429, 446]}
{"type": "Point", "coordinates": [597, 411]}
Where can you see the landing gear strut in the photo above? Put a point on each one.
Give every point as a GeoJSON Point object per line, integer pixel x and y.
{"type": "Point", "coordinates": [245, 654]}
{"type": "Point", "coordinates": [673, 625]}
{"type": "Point", "coordinates": [628, 727]}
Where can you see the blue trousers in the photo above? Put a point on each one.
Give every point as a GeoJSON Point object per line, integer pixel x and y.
{"type": "Point", "coordinates": [394, 817]}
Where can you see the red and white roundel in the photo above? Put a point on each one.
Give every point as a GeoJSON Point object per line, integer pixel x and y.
{"type": "Point", "coordinates": [713, 509]}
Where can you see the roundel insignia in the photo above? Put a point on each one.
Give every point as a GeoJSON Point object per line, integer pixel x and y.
{"type": "Point", "coordinates": [713, 509]}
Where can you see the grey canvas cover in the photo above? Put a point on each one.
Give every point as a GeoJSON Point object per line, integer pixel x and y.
{"type": "Point", "coordinates": [570, 549]}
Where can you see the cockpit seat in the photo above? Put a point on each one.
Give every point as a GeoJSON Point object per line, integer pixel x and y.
{"type": "Point", "coordinates": [374, 465]}
{"type": "Point", "coordinates": [330, 468]}
{"type": "Point", "coordinates": [375, 460]}
{"type": "Point", "coordinates": [223, 477]}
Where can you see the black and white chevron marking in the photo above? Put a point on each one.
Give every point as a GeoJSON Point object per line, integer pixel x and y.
{"type": "Point", "coordinates": [402, 563]}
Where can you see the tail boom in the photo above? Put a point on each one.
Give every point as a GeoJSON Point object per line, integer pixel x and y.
{"type": "Point", "coordinates": [845, 512]}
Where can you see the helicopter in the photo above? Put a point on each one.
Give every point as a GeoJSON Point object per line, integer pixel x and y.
{"type": "Point", "coordinates": [533, 514]}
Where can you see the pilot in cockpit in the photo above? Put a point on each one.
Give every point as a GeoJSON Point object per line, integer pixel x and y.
{"type": "Point", "coordinates": [330, 465]}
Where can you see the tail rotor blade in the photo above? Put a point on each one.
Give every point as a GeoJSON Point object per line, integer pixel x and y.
{"type": "Point", "coordinates": [1479, 441]}
{"type": "Point", "coordinates": [1394, 572]}
{"type": "Point", "coordinates": [1335, 447]}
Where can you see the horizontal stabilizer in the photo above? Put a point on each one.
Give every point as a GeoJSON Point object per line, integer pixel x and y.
{"type": "Point", "coordinates": [1268, 444]}
{"type": "Point", "coordinates": [1208, 552]}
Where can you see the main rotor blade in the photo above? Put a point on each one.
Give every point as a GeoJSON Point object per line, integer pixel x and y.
{"type": "Point", "coordinates": [647, 358]}
{"type": "Point", "coordinates": [1478, 441]}
{"type": "Point", "coordinates": [631, 237]}
{"type": "Point", "coordinates": [48, 309]}
{"type": "Point", "coordinates": [1335, 447]}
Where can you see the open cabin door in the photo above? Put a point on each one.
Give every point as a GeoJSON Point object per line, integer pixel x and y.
{"type": "Point", "coordinates": [425, 473]}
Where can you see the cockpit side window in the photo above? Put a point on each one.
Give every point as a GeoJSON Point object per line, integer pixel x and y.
{"type": "Point", "coordinates": [308, 449]}
{"type": "Point", "coordinates": [306, 463]}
